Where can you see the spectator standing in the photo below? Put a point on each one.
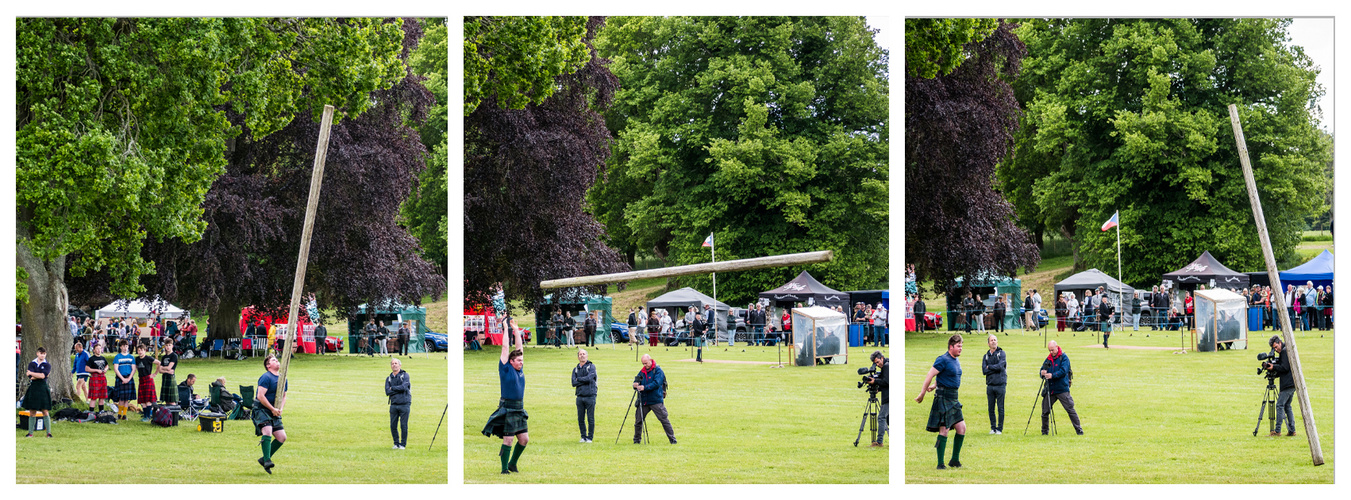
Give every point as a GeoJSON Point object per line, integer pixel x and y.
{"type": "Point", "coordinates": [97, 366]}
{"type": "Point", "coordinates": [1000, 310]}
{"type": "Point", "coordinates": [1061, 312]}
{"type": "Point", "coordinates": [399, 390]}
{"type": "Point", "coordinates": [994, 366]}
{"type": "Point", "coordinates": [38, 398]}
{"type": "Point", "coordinates": [584, 384]}
{"type": "Point", "coordinates": [404, 335]}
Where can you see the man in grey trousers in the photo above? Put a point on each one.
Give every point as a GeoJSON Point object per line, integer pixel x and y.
{"type": "Point", "coordinates": [584, 380]}
{"type": "Point", "coordinates": [398, 388]}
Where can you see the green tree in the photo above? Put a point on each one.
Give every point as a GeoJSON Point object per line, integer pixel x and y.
{"type": "Point", "coordinates": [515, 59]}
{"type": "Point", "coordinates": [935, 47]}
{"type": "Point", "coordinates": [770, 132]}
{"type": "Point", "coordinates": [1131, 115]}
{"type": "Point", "coordinates": [424, 213]}
{"type": "Point", "coordinates": [123, 125]}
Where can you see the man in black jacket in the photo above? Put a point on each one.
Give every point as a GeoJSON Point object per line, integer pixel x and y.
{"type": "Point", "coordinates": [589, 326]}
{"type": "Point", "coordinates": [968, 311]}
{"type": "Point", "coordinates": [881, 383]}
{"type": "Point", "coordinates": [919, 314]}
{"type": "Point", "coordinates": [1281, 367]}
{"type": "Point", "coordinates": [993, 365]}
{"type": "Point", "coordinates": [397, 387]}
{"type": "Point", "coordinates": [1105, 311]}
{"type": "Point", "coordinates": [697, 331]}
{"type": "Point", "coordinates": [999, 311]}
{"type": "Point", "coordinates": [584, 380]}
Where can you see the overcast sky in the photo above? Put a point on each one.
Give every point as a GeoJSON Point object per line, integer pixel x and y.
{"type": "Point", "coordinates": [1314, 34]}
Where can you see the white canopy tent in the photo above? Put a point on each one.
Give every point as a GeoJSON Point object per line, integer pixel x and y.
{"type": "Point", "coordinates": [820, 335]}
{"type": "Point", "coordinates": [140, 308]}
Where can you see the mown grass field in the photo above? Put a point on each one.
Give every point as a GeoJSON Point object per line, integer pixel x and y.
{"type": "Point", "coordinates": [337, 425]}
{"type": "Point", "coordinates": [735, 422]}
{"type": "Point", "coordinates": [1149, 415]}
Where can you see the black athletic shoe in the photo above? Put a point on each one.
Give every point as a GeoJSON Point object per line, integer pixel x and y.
{"type": "Point", "coordinates": [940, 466]}
{"type": "Point", "coordinates": [506, 472]}
{"type": "Point", "coordinates": [267, 464]}
{"type": "Point", "coordinates": [954, 464]}
{"type": "Point", "coordinates": [513, 469]}
{"type": "Point", "coordinates": [1079, 432]}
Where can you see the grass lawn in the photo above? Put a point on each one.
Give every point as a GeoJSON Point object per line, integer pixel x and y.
{"type": "Point", "coordinates": [733, 421]}
{"type": "Point", "coordinates": [1149, 416]}
{"type": "Point", "coordinates": [337, 425]}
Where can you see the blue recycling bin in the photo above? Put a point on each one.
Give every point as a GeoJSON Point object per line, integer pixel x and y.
{"type": "Point", "coordinates": [1254, 319]}
{"type": "Point", "coordinates": [855, 334]}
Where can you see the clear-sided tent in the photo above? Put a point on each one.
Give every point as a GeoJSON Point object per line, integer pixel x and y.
{"type": "Point", "coordinates": [678, 302]}
{"type": "Point", "coordinates": [820, 335]}
{"type": "Point", "coordinates": [1220, 315]}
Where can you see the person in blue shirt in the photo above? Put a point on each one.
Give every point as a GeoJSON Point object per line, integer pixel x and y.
{"type": "Point", "coordinates": [38, 398]}
{"type": "Point", "coordinates": [77, 369]}
{"type": "Point", "coordinates": [510, 419]}
{"type": "Point", "coordinates": [124, 388]}
{"type": "Point", "coordinates": [267, 408]}
{"type": "Point", "coordinates": [946, 412]}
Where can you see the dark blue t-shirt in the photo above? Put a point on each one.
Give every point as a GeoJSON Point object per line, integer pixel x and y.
{"type": "Point", "coordinates": [269, 381]}
{"type": "Point", "coordinates": [949, 371]}
{"type": "Point", "coordinates": [513, 381]}
{"type": "Point", "coordinates": [44, 367]}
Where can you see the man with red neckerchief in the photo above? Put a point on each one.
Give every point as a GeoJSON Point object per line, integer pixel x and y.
{"type": "Point", "coordinates": [1056, 370]}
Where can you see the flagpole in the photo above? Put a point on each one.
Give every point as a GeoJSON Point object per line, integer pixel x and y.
{"type": "Point", "coordinates": [713, 252]}
{"type": "Point", "coordinates": [1122, 291]}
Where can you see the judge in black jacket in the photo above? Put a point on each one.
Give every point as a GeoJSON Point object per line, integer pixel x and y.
{"type": "Point", "coordinates": [398, 388]}
{"type": "Point", "coordinates": [584, 383]}
{"type": "Point", "coordinates": [994, 365]}
{"type": "Point", "coordinates": [919, 314]}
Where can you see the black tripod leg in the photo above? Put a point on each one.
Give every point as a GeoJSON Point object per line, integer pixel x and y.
{"type": "Point", "coordinates": [626, 416]}
{"type": "Point", "coordinates": [1034, 406]}
{"type": "Point", "coordinates": [1261, 413]}
{"type": "Point", "coordinates": [866, 407]}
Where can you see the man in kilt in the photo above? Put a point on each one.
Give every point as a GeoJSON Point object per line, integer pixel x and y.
{"type": "Point", "coordinates": [946, 412]}
{"type": "Point", "coordinates": [38, 398]}
{"type": "Point", "coordinates": [267, 412]}
{"type": "Point", "coordinates": [146, 367]}
{"type": "Point", "coordinates": [124, 392]}
{"type": "Point", "coordinates": [510, 418]}
{"type": "Point", "coordinates": [167, 363]}
{"type": "Point", "coordinates": [97, 367]}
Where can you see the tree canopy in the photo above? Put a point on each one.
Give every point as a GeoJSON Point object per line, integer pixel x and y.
{"type": "Point", "coordinates": [770, 132]}
{"type": "Point", "coordinates": [526, 172]}
{"type": "Point", "coordinates": [1130, 115]}
{"type": "Point", "coordinates": [424, 213]}
{"type": "Point", "coordinates": [957, 128]}
{"type": "Point", "coordinates": [515, 60]}
{"type": "Point", "coordinates": [936, 46]}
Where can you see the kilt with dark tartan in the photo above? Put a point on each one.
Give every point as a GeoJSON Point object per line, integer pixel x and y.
{"type": "Point", "coordinates": [98, 386]}
{"type": "Point", "coordinates": [168, 388]}
{"type": "Point", "coordinates": [509, 419]}
{"type": "Point", "coordinates": [946, 410]}
{"type": "Point", "coordinates": [145, 392]}
{"type": "Point", "coordinates": [124, 392]}
{"type": "Point", "coordinates": [263, 418]}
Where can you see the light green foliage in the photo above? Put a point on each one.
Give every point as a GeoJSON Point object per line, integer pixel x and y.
{"type": "Point", "coordinates": [770, 132]}
{"type": "Point", "coordinates": [517, 58]}
{"type": "Point", "coordinates": [337, 429]}
{"type": "Point", "coordinates": [1149, 416]}
{"type": "Point", "coordinates": [1131, 115]}
{"type": "Point", "coordinates": [424, 212]}
{"type": "Point", "coordinates": [121, 129]}
{"type": "Point", "coordinates": [738, 422]}
{"type": "Point", "coordinates": [933, 47]}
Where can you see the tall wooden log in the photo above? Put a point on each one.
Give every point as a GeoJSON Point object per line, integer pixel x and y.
{"type": "Point", "coordinates": [792, 259]}
{"type": "Point", "coordinates": [316, 181]}
{"type": "Point", "coordinates": [1305, 408]}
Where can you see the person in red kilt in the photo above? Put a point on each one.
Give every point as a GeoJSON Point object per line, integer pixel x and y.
{"type": "Point", "coordinates": [97, 366]}
{"type": "Point", "coordinates": [146, 367]}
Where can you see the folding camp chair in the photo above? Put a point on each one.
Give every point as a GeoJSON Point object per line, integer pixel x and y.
{"type": "Point", "coordinates": [217, 345]}
{"type": "Point", "coordinates": [241, 411]}
{"type": "Point", "coordinates": [191, 407]}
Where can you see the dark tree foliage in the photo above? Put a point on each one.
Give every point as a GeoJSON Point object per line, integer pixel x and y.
{"type": "Point", "coordinates": [255, 212]}
{"type": "Point", "coordinates": [526, 174]}
{"type": "Point", "coordinates": [957, 128]}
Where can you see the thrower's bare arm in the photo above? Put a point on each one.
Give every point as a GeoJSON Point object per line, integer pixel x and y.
{"type": "Point", "coordinates": [520, 337]}
{"type": "Point", "coordinates": [928, 385]}
{"type": "Point", "coordinates": [506, 344]}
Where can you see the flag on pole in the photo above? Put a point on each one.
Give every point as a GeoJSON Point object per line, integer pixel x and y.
{"type": "Point", "coordinates": [1111, 223]}
{"type": "Point", "coordinates": [708, 242]}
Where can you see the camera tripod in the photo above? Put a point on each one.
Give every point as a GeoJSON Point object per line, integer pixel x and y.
{"type": "Point", "coordinates": [639, 415]}
{"type": "Point", "coordinates": [1041, 395]}
{"type": "Point", "coordinates": [870, 411]}
{"type": "Point", "coordinates": [1268, 401]}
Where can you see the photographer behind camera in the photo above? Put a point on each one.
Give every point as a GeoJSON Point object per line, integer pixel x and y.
{"type": "Point", "coordinates": [878, 382]}
{"type": "Point", "coordinates": [1280, 367]}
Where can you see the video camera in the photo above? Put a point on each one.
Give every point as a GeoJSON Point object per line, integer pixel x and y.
{"type": "Point", "coordinates": [869, 372]}
{"type": "Point", "coordinates": [1268, 360]}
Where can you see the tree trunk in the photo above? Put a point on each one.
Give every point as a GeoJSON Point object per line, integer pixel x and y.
{"type": "Point", "coordinates": [224, 321]}
{"type": "Point", "coordinates": [1074, 247]}
{"type": "Point", "coordinates": [44, 320]}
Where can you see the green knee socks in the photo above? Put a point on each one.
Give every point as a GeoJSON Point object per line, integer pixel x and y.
{"type": "Point", "coordinates": [516, 454]}
{"type": "Point", "coordinates": [505, 455]}
{"type": "Point", "coordinates": [267, 448]}
{"type": "Point", "coordinates": [942, 446]}
{"type": "Point", "coordinates": [957, 447]}
{"type": "Point", "coordinates": [276, 445]}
